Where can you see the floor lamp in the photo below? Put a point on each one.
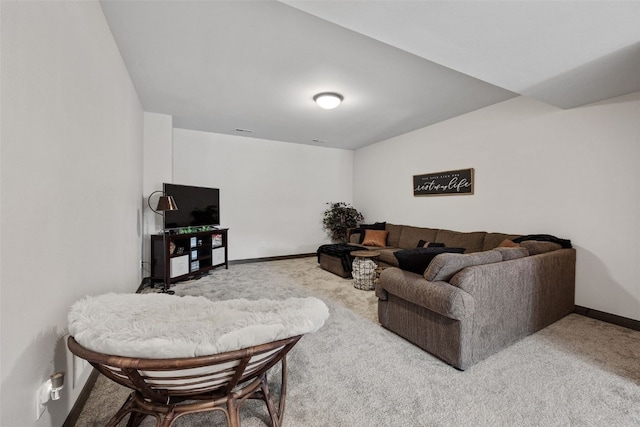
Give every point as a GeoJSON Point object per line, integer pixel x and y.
{"type": "Point", "coordinates": [165, 203]}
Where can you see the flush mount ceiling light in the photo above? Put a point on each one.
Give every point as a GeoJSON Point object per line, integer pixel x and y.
{"type": "Point", "coordinates": [328, 100]}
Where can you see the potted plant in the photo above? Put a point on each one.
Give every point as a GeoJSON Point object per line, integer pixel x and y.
{"type": "Point", "coordinates": [339, 218]}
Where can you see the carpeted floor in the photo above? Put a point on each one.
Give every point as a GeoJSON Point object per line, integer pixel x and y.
{"type": "Point", "coordinates": [353, 372]}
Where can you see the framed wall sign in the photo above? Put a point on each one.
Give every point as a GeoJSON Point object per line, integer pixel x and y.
{"type": "Point", "coordinates": [458, 182]}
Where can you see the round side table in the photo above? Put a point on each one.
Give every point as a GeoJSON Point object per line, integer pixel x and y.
{"type": "Point", "coordinates": [364, 269]}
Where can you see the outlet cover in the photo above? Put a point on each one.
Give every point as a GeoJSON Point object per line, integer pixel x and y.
{"type": "Point", "coordinates": [42, 397]}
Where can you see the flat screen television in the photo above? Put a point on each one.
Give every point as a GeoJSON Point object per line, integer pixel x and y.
{"type": "Point", "coordinates": [196, 206]}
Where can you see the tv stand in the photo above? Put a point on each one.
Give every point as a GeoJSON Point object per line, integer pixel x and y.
{"type": "Point", "coordinates": [189, 255]}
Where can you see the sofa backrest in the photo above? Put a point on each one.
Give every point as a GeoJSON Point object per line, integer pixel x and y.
{"type": "Point", "coordinates": [535, 247]}
{"type": "Point", "coordinates": [393, 239]}
{"type": "Point", "coordinates": [410, 236]}
{"type": "Point", "coordinates": [512, 253]}
{"type": "Point", "coordinates": [445, 266]}
{"type": "Point", "coordinates": [471, 242]}
{"type": "Point", "coordinates": [492, 240]}
{"type": "Point", "coordinates": [407, 237]}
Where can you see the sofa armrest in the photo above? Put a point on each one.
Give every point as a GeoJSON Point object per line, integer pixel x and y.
{"type": "Point", "coordinates": [520, 296]}
{"type": "Point", "coordinates": [439, 297]}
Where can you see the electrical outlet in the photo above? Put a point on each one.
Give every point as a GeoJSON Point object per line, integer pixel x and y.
{"type": "Point", "coordinates": [42, 397]}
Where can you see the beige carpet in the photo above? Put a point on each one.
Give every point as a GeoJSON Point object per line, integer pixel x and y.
{"type": "Point", "coordinates": [577, 372]}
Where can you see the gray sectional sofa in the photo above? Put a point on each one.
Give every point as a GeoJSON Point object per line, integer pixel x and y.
{"type": "Point", "coordinates": [466, 307]}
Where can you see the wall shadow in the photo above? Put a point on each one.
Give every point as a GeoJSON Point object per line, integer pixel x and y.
{"type": "Point", "coordinates": [23, 379]}
{"type": "Point", "coordinates": [607, 77]}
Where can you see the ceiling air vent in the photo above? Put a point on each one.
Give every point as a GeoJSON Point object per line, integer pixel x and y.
{"type": "Point", "coordinates": [244, 130]}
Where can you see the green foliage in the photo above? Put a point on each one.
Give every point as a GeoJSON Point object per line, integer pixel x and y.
{"type": "Point", "coordinates": [338, 218]}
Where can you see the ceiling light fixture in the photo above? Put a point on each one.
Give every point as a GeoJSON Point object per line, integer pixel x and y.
{"type": "Point", "coordinates": [328, 100]}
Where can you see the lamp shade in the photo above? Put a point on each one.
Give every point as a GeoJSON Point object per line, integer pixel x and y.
{"type": "Point", "coordinates": [328, 100]}
{"type": "Point", "coordinates": [166, 203]}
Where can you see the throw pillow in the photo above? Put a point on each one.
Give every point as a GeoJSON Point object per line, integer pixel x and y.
{"type": "Point", "coordinates": [375, 238]}
{"type": "Point", "coordinates": [425, 244]}
{"type": "Point", "coordinates": [375, 226]}
{"type": "Point", "coordinates": [506, 243]}
{"type": "Point", "coordinates": [417, 260]}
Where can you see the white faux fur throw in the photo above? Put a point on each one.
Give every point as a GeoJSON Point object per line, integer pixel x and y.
{"type": "Point", "coordinates": [160, 326]}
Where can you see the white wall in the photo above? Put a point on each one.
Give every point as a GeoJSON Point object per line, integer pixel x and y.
{"type": "Point", "coordinates": [158, 168]}
{"type": "Point", "coordinates": [71, 187]}
{"type": "Point", "coordinates": [570, 173]}
{"type": "Point", "coordinates": [272, 194]}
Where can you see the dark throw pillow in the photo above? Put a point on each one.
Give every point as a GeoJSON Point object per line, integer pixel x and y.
{"type": "Point", "coordinates": [417, 260]}
{"type": "Point", "coordinates": [425, 244]}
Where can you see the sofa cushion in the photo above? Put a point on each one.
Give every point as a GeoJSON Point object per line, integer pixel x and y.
{"type": "Point", "coordinates": [512, 252]}
{"type": "Point", "coordinates": [446, 265]}
{"type": "Point", "coordinates": [492, 240]}
{"type": "Point", "coordinates": [535, 247]}
{"type": "Point", "coordinates": [375, 238]}
{"type": "Point", "coordinates": [472, 242]}
{"type": "Point", "coordinates": [393, 239]}
{"type": "Point", "coordinates": [418, 259]}
{"type": "Point", "coordinates": [387, 256]}
{"type": "Point", "coordinates": [410, 236]}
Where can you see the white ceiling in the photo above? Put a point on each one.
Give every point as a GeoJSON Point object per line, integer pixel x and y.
{"type": "Point", "coordinates": [218, 66]}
